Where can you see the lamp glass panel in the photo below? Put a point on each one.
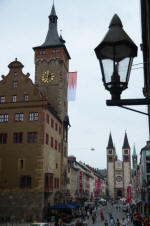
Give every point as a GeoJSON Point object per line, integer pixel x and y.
{"type": "Point", "coordinates": [123, 69]}
{"type": "Point", "coordinates": [108, 69]}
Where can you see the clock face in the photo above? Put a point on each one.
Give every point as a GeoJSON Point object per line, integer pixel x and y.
{"type": "Point", "coordinates": [119, 178]}
{"type": "Point", "coordinates": [47, 76]}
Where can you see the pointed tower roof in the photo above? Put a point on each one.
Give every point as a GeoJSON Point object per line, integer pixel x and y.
{"type": "Point", "coordinates": [134, 152]}
{"type": "Point", "coordinates": [110, 142]}
{"type": "Point", "coordinates": [53, 12]}
{"type": "Point", "coordinates": [126, 143]}
{"type": "Point", "coordinates": [52, 38]}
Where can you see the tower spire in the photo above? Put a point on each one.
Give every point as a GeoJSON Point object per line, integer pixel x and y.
{"type": "Point", "coordinates": [110, 142]}
{"type": "Point", "coordinates": [126, 143]}
{"type": "Point", "coordinates": [134, 152]}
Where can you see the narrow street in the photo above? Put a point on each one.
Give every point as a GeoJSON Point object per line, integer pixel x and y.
{"type": "Point", "coordinates": [107, 210]}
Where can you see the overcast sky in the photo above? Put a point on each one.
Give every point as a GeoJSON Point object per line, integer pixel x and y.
{"type": "Point", "coordinates": [24, 24]}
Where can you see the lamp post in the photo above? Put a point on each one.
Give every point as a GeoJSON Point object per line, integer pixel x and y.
{"type": "Point", "coordinates": [115, 54]}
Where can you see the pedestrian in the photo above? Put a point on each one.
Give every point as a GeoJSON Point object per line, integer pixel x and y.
{"type": "Point", "coordinates": [106, 222]}
{"type": "Point", "coordinates": [111, 221]}
{"type": "Point", "coordinates": [60, 222]}
{"type": "Point", "coordinates": [102, 215]}
{"type": "Point", "coordinates": [123, 222]}
{"type": "Point", "coordinates": [88, 214]}
{"type": "Point", "coordinates": [117, 222]}
{"type": "Point", "coordinates": [94, 217]}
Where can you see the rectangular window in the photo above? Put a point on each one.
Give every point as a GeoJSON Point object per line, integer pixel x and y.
{"type": "Point", "coordinates": [126, 152]}
{"type": "Point", "coordinates": [59, 147]}
{"type": "Point", "coordinates": [21, 164]}
{"type": "Point", "coordinates": [47, 119]}
{"type": "Point", "coordinates": [3, 99]}
{"type": "Point", "coordinates": [49, 182]}
{"type": "Point", "coordinates": [3, 138]}
{"type": "Point", "coordinates": [33, 116]}
{"type": "Point", "coordinates": [148, 167]}
{"type": "Point", "coordinates": [14, 98]}
{"type": "Point", "coordinates": [32, 137]}
{"type": "Point", "coordinates": [52, 123]}
{"type": "Point", "coordinates": [26, 97]}
{"type": "Point", "coordinates": [26, 182]}
{"type": "Point", "coordinates": [3, 118]}
{"type": "Point", "coordinates": [52, 142]}
{"type": "Point", "coordinates": [18, 138]}
{"type": "Point", "coordinates": [15, 84]}
{"type": "Point", "coordinates": [47, 138]}
{"type": "Point", "coordinates": [148, 180]}
{"type": "Point", "coordinates": [110, 152]}
{"type": "Point", "coordinates": [56, 126]}
{"type": "Point", "coordinates": [55, 144]}
{"type": "Point", "coordinates": [59, 130]}
{"type": "Point", "coordinates": [19, 117]}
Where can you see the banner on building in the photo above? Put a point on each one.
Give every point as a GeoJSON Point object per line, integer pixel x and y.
{"type": "Point", "coordinates": [72, 85]}
{"type": "Point", "coordinates": [129, 194]}
{"type": "Point", "coordinates": [97, 187]}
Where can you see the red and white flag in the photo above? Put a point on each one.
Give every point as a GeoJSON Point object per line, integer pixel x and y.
{"type": "Point", "coordinates": [72, 84]}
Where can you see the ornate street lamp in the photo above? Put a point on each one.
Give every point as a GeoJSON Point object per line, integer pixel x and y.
{"type": "Point", "coordinates": [115, 54]}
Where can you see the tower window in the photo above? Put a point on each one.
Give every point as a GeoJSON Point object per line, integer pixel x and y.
{"type": "Point", "coordinates": [15, 84]}
{"type": "Point", "coordinates": [110, 158]}
{"type": "Point", "coordinates": [126, 152]}
{"type": "Point", "coordinates": [14, 98]}
{"type": "Point", "coordinates": [42, 52]}
{"type": "Point", "coordinates": [3, 99]}
{"type": "Point", "coordinates": [126, 158]}
{"type": "Point", "coordinates": [110, 152]}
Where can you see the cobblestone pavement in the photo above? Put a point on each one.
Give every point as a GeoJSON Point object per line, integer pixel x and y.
{"type": "Point", "coordinates": [109, 209]}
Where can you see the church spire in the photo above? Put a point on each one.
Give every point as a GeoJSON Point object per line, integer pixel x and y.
{"type": "Point", "coordinates": [126, 143]}
{"type": "Point", "coordinates": [110, 142]}
{"type": "Point", "coordinates": [134, 152]}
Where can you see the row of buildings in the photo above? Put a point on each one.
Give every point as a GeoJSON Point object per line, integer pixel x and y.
{"type": "Point", "coordinates": [35, 170]}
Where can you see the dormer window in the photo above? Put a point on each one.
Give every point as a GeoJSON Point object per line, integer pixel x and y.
{"type": "Point", "coordinates": [3, 99]}
{"type": "Point", "coordinates": [15, 83]}
{"type": "Point", "coordinates": [14, 98]}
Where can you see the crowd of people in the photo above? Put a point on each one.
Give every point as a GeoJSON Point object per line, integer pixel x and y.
{"type": "Point", "coordinates": [114, 214]}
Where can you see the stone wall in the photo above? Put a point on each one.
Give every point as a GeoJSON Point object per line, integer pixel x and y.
{"type": "Point", "coordinates": [22, 205]}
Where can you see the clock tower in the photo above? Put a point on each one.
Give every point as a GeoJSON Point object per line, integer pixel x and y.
{"type": "Point", "coordinates": [51, 68]}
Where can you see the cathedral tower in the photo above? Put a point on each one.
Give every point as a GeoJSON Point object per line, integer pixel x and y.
{"type": "Point", "coordinates": [110, 166]}
{"type": "Point", "coordinates": [126, 164]}
{"type": "Point", "coordinates": [51, 68]}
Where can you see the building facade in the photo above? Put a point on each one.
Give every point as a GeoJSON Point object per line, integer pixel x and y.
{"type": "Point", "coordinates": [34, 131]}
{"type": "Point", "coordinates": [118, 172]}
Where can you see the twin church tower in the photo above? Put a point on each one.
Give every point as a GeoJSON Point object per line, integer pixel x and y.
{"type": "Point", "coordinates": [119, 172]}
